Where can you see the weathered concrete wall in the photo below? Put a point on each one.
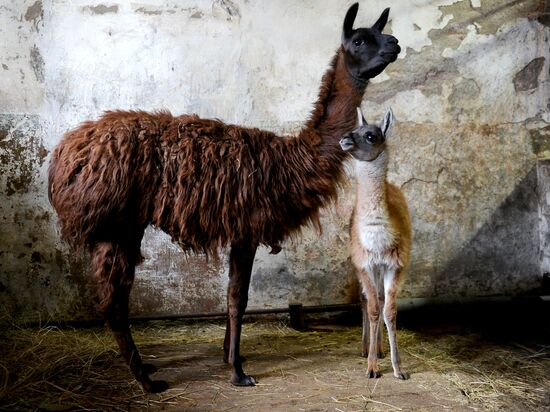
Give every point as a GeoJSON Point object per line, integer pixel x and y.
{"type": "Point", "coordinates": [474, 120]}
{"type": "Point", "coordinates": [470, 93]}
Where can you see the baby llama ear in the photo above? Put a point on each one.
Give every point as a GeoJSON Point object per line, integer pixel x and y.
{"type": "Point", "coordinates": [360, 118]}
{"type": "Point", "coordinates": [387, 121]}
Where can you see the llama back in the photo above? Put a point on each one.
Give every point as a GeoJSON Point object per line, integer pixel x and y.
{"type": "Point", "coordinates": [102, 173]}
{"type": "Point", "coordinates": [206, 183]}
{"type": "Point", "coordinates": [223, 184]}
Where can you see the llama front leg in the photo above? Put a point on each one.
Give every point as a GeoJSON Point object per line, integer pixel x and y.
{"type": "Point", "coordinates": [114, 270]}
{"type": "Point", "coordinates": [370, 288]}
{"type": "Point", "coordinates": [391, 278]}
{"type": "Point", "coordinates": [241, 260]}
{"type": "Point", "coordinates": [366, 330]}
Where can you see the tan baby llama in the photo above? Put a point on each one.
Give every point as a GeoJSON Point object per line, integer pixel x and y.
{"type": "Point", "coordinates": [381, 238]}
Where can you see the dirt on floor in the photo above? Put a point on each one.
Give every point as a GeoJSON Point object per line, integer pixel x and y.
{"type": "Point", "coordinates": [483, 357]}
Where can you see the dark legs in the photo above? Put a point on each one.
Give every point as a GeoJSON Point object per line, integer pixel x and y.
{"type": "Point", "coordinates": [114, 268]}
{"type": "Point", "coordinates": [241, 260]}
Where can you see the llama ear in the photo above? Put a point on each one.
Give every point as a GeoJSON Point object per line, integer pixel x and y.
{"type": "Point", "coordinates": [348, 21]}
{"type": "Point", "coordinates": [360, 118]}
{"type": "Point", "coordinates": [382, 20]}
{"type": "Point", "coordinates": [387, 121]}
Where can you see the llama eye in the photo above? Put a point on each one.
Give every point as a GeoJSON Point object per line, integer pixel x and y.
{"type": "Point", "coordinates": [371, 138]}
{"type": "Point", "coordinates": [358, 42]}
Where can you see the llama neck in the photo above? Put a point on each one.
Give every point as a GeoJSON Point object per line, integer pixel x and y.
{"type": "Point", "coordinates": [316, 152]}
{"type": "Point", "coordinates": [371, 187]}
{"type": "Point", "coordinates": [334, 113]}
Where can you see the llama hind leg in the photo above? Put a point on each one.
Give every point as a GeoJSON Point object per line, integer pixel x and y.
{"type": "Point", "coordinates": [241, 260]}
{"type": "Point", "coordinates": [380, 335]}
{"type": "Point", "coordinates": [114, 271]}
{"type": "Point", "coordinates": [390, 316]}
{"type": "Point", "coordinates": [366, 330]}
{"type": "Point", "coordinates": [227, 340]}
{"type": "Point", "coordinates": [366, 326]}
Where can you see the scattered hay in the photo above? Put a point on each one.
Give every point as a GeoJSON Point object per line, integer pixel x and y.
{"type": "Point", "coordinates": [490, 375]}
{"type": "Point", "coordinates": [55, 369]}
{"type": "Point", "coordinates": [60, 369]}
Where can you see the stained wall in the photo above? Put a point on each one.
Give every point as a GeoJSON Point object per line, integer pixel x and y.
{"type": "Point", "coordinates": [470, 92]}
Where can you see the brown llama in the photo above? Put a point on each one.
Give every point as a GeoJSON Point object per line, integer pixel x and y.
{"type": "Point", "coordinates": [381, 238]}
{"type": "Point", "coordinates": [207, 184]}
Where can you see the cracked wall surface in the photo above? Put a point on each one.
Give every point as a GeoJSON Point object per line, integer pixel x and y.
{"type": "Point", "coordinates": [470, 93]}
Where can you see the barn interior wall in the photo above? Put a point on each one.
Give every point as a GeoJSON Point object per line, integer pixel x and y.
{"type": "Point", "coordinates": [470, 147]}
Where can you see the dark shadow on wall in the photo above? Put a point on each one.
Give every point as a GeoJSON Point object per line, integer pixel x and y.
{"type": "Point", "coordinates": [503, 257]}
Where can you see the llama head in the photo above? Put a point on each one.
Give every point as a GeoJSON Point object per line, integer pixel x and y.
{"type": "Point", "coordinates": [367, 141]}
{"type": "Point", "coordinates": [367, 50]}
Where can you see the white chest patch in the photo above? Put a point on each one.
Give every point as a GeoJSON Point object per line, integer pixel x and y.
{"type": "Point", "coordinates": [376, 235]}
{"type": "Point", "coordinates": [377, 239]}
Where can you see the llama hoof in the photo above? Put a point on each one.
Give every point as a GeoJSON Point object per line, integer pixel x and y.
{"type": "Point", "coordinates": [401, 375]}
{"type": "Point", "coordinates": [155, 386]}
{"type": "Point", "coordinates": [148, 368]}
{"type": "Point", "coordinates": [373, 374]}
{"type": "Point", "coordinates": [244, 380]}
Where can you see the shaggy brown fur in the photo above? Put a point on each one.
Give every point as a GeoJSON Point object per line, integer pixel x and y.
{"type": "Point", "coordinates": [207, 184]}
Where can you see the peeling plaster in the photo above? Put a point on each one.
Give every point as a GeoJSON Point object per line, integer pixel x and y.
{"type": "Point", "coordinates": [227, 7]}
{"type": "Point", "coordinates": [544, 15]}
{"type": "Point", "coordinates": [101, 9]}
{"type": "Point", "coordinates": [465, 147]}
{"type": "Point", "coordinates": [37, 275]}
{"type": "Point", "coordinates": [37, 63]}
{"type": "Point", "coordinates": [148, 11]}
{"type": "Point", "coordinates": [21, 154]}
{"type": "Point", "coordinates": [35, 14]}
{"type": "Point", "coordinates": [412, 22]}
{"type": "Point", "coordinates": [528, 77]}
{"type": "Point", "coordinates": [20, 29]}
{"type": "Point", "coordinates": [540, 141]}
